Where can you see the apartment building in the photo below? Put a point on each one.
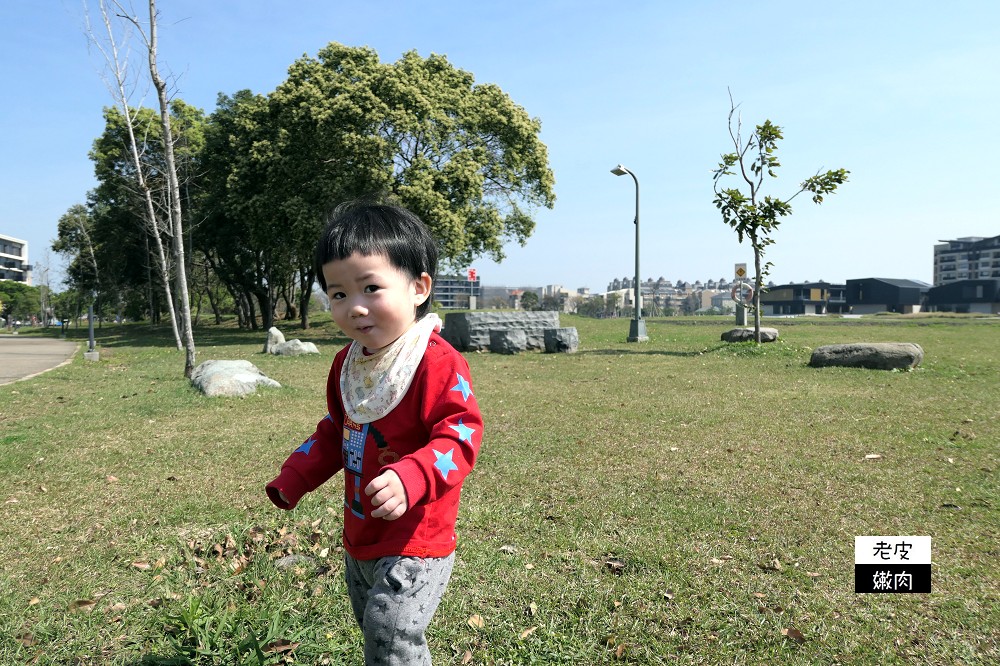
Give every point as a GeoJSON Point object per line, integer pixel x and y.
{"type": "Point", "coordinates": [14, 260]}
{"type": "Point", "coordinates": [970, 258]}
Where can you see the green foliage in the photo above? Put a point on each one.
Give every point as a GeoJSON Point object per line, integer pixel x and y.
{"type": "Point", "coordinates": [529, 301]}
{"type": "Point", "coordinates": [18, 300]}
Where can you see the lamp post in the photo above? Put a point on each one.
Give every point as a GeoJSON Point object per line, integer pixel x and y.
{"type": "Point", "coordinates": [637, 327]}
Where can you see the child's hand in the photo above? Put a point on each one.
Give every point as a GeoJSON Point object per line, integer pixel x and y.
{"type": "Point", "coordinates": [388, 496]}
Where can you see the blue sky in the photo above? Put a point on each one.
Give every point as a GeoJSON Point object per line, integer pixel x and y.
{"type": "Point", "coordinates": [903, 94]}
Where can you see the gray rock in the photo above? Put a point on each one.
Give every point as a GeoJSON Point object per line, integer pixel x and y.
{"type": "Point", "coordinates": [508, 341]}
{"type": "Point", "coordinates": [274, 338]}
{"type": "Point", "coordinates": [229, 378]}
{"type": "Point", "coordinates": [294, 348]}
{"type": "Point", "coordinates": [746, 335]}
{"type": "Point", "coordinates": [289, 561]}
{"type": "Point", "coordinates": [470, 331]}
{"type": "Point", "coordinates": [561, 340]}
{"type": "Point", "coordinates": [872, 355]}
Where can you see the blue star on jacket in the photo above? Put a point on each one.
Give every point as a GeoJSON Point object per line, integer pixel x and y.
{"type": "Point", "coordinates": [463, 387]}
{"type": "Point", "coordinates": [306, 446]}
{"type": "Point", "coordinates": [444, 463]}
{"type": "Point", "coordinates": [464, 432]}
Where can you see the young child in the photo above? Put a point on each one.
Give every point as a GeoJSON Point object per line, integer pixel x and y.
{"type": "Point", "coordinates": [403, 424]}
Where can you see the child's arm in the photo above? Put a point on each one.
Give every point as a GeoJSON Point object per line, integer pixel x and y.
{"type": "Point", "coordinates": [449, 408]}
{"type": "Point", "coordinates": [309, 466]}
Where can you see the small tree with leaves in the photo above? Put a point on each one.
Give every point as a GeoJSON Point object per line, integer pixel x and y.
{"type": "Point", "coordinates": [756, 216]}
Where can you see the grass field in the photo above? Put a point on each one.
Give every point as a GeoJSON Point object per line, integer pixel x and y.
{"type": "Point", "coordinates": [681, 501]}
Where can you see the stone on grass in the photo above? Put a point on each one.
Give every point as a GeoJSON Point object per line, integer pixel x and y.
{"type": "Point", "coordinates": [871, 355]}
{"type": "Point", "coordinates": [276, 345]}
{"type": "Point", "coordinates": [561, 340]}
{"type": "Point", "coordinates": [470, 331]}
{"type": "Point", "coordinates": [294, 348]}
{"type": "Point", "coordinates": [747, 335]}
{"type": "Point", "coordinates": [274, 338]}
{"type": "Point", "coordinates": [229, 378]}
{"type": "Point", "coordinates": [508, 341]}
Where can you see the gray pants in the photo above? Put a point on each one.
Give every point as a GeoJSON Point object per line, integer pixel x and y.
{"type": "Point", "coordinates": [394, 599]}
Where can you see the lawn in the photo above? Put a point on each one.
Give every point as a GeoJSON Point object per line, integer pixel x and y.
{"type": "Point", "coordinates": [679, 501]}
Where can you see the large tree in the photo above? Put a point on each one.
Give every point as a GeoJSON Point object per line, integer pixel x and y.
{"type": "Point", "coordinates": [464, 157]}
{"type": "Point", "coordinates": [754, 215]}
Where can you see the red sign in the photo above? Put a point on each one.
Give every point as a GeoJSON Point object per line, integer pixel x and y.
{"type": "Point", "coordinates": [472, 275]}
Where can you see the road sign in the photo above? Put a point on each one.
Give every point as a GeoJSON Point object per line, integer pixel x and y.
{"type": "Point", "coordinates": [741, 271]}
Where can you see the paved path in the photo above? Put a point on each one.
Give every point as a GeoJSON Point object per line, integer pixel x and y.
{"type": "Point", "coordinates": [22, 357]}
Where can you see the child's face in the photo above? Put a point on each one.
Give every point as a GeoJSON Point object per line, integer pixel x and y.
{"type": "Point", "coordinates": [371, 300]}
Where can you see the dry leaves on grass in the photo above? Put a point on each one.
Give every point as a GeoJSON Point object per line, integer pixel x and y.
{"type": "Point", "coordinates": [793, 634]}
{"type": "Point", "coordinates": [477, 622]}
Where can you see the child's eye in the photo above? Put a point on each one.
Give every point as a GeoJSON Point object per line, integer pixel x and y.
{"type": "Point", "coordinates": [337, 295]}
{"type": "Point", "coordinates": [371, 288]}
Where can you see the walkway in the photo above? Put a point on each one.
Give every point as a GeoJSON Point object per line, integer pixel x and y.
{"type": "Point", "coordinates": [22, 357]}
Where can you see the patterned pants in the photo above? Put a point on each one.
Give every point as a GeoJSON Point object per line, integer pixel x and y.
{"type": "Point", "coordinates": [394, 599]}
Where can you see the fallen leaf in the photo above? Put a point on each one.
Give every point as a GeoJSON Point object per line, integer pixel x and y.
{"type": "Point", "coordinates": [467, 657]}
{"type": "Point", "coordinates": [794, 634]}
{"type": "Point", "coordinates": [674, 448]}
{"type": "Point", "coordinates": [813, 574]}
{"type": "Point", "coordinates": [510, 549]}
{"type": "Point", "coordinates": [527, 632]}
{"type": "Point", "coordinates": [34, 601]}
{"type": "Point", "coordinates": [532, 609]}
{"type": "Point", "coordinates": [616, 565]}
{"type": "Point", "coordinates": [27, 640]}
{"type": "Point", "coordinates": [82, 606]}
{"type": "Point", "coordinates": [951, 460]}
{"type": "Point", "coordinates": [111, 478]}
{"type": "Point", "coordinates": [477, 622]}
{"type": "Point", "coordinates": [620, 651]}
{"type": "Point", "coordinates": [873, 456]}
{"type": "Point", "coordinates": [117, 608]}
{"type": "Point", "coordinates": [278, 646]}
{"type": "Point", "coordinates": [669, 595]}
{"type": "Point", "coordinates": [716, 560]}
{"type": "Point", "coordinates": [760, 595]}
{"type": "Point", "coordinates": [529, 566]}
{"type": "Point", "coordinates": [144, 566]}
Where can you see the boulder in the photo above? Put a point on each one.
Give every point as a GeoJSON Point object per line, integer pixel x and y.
{"type": "Point", "coordinates": [294, 348]}
{"type": "Point", "coordinates": [561, 340]}
{"type": "Point", "coordinates": [470, 331]}
{"type": "Point", "coordinates": [746, 335]}
{"type": "Point", "coordinates": [508, 341]}
{"type": "Point", "coordinates": [274, 338]}
{"type": "Point", "coordinates": [229, 378]}
{"type": "Point", "coordinates": [872, 355]}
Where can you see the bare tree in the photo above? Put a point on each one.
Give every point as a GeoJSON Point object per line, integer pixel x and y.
{"type": "Point", "coordinates": [120, 87]}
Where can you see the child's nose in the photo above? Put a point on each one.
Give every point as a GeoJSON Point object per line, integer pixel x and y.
{"type": "Point", "coordinates": [358, 309]}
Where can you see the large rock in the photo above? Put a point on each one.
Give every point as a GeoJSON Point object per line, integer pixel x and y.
{"type": "Point", "coordinates": [470, 331]}
{"type": "Point", "coordinates": [229, 378]}
{"type": "Point", "coordinates": [747, 335]}
{"type": "Point", "coordinates": [561, 340]}
{"type": "Point", "coordinates": [276, 345]}
{"type": "Point", "coordinates": [274, 338]}
{"type": "Point", "coordinates": [508, 341]}
{"type": "Point", "coordinates": [294, 348]}
{"type": "Point", "coordinates": [872, 355]}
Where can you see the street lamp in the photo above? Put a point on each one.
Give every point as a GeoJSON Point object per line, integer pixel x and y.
{"type": "Point", "coordinates": [637, 327]}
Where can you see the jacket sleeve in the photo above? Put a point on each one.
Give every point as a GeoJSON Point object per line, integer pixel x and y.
{"type": "Point", "coordinates": [315, 461]}
{"type": "Point", "coordinates": [451, 414]}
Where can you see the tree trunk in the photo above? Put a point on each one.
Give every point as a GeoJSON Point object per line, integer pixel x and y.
{"type": "Point", "coordinates": [306, 278]}
{"type": "Point", "coordinates": [756, 293]}
{"type": "Point", "coordinates": [177, 224]}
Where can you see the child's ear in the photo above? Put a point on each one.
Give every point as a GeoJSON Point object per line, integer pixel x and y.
{"type": "Point", "coordinates": [422, 288]}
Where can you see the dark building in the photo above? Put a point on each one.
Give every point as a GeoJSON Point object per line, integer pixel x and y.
{"type": "Point", "coordinates": [981, 296]}
{"type": "Point", "coordinates": [871, 295]}
{"type": "Point", "coordinates": [806, 298]}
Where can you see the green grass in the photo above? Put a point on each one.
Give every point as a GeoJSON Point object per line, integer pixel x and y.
{"type": "Point", "coordinates": [629, 504]}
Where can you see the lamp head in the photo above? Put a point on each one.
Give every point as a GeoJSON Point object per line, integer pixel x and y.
{"type": "Point", "coordinates": [619, 170]}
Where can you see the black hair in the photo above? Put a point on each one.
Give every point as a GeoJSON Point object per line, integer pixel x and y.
{"type": "Point", "coordinates": [368, 229]}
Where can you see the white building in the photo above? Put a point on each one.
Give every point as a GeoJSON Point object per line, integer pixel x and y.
{"type": "Point", "coordinates": [970, 258]}
{"type": "Point", "coordinates": [14, 260]}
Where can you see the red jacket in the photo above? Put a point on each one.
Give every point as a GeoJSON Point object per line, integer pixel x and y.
{"type": "Point", "coordinates": [430, 439]}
